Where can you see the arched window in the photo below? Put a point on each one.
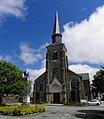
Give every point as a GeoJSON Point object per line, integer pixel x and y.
{"type": "Point", "coordinates": [55, 72]}
{"type": "Point", "coordinates": [73, 85]}
{"type": "Point", "coordinates": [55, 55]}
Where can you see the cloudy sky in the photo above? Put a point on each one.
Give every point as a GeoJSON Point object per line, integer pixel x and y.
{"type": "Point", "coordinates": [26, 27]}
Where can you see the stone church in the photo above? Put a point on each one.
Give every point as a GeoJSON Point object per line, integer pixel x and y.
{"type": "Point", "coordinates": [58, 84]}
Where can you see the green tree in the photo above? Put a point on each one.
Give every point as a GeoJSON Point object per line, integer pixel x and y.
{"type": "Point", "coordinates": [11, 81]}
{"type": "Point", "coordinates": [98, 81]}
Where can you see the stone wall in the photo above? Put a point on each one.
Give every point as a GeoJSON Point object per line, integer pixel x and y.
{"type": "Point", "coordinates": [10, 99]}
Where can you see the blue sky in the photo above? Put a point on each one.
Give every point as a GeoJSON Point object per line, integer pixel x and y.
{"type": "Point", "coordinates": [26, 27]}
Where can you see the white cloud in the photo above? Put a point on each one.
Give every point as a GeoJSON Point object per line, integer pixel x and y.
{"type": "Point", "coordinates": [34, 73]}
{"type": "Point", "coordinates": [79, 68]}
{"type": "Point", "coordinates": [28, 55]}
{"type": "Point", "coordinates": [44, 63]}
{"type": "Point", "coordinates": [15, 8]}
{"type": "Point", "coordinates": [1, 57]}
{"type": "Point", "coordinates": [6, 58]}
{"type": "Point", "coordinates": [85, 40]}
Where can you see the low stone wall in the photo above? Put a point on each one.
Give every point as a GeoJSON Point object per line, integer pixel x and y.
{"type": "Point", "coordinates": [10, 99]}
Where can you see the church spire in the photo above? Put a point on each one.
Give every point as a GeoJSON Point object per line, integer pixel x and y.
{"type": "Point", "coordinates": [56, 29]}
{"type": "Point", "coordinates": [56, 36]}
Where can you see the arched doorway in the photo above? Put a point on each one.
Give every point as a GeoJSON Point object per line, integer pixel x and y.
{"type": "Point", "coordinates": [55, 91]}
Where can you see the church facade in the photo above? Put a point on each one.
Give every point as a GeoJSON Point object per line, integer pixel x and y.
{"type": "Point", "coordinates": [58, 84]}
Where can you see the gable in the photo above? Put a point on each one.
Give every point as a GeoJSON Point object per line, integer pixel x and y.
{"type": "Point", "coordinates": [41, 78]}
{"type": "Point", "coordinates": [55, 86]}
{"type": "Point", "coordinates": [72, 76]}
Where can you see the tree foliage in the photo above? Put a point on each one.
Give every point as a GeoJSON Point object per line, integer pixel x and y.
{"type": "Point", "coordinates": [11, 81]}
{"type": "Point", "coordinates": [98, 81]}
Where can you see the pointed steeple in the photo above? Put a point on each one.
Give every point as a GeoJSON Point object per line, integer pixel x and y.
{"type": "Point", "coordinates": [56, 29]}
{"type": "Point", "coordinates": [56, 36]}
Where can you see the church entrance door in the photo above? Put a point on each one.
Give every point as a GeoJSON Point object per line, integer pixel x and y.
{"type": "Point", "coordinates": [56, 97]}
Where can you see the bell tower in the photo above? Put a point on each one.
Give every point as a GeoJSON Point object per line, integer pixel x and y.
{"type": "Point", "coordinates": [56, 64]}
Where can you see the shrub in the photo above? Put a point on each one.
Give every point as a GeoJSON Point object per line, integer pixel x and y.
{"type": "Point", "coordinates": [21, 110]}
{"type": "Point", "coordinates": [38, 102]}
